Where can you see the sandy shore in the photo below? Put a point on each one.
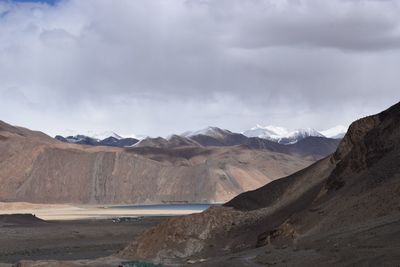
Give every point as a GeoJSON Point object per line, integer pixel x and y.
{"type": "Point", "coordinates": [72, 212]}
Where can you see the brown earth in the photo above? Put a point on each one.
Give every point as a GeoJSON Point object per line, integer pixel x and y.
{"type": "Point", "coordinates": [37, 168]}
{"type": "Point", "coordinates": [25, 237]}
{"type": "Point", "coordinates": [341, 211]}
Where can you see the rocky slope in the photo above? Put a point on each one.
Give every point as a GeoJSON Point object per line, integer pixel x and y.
{"type": "Point", "coordinates": [37, 168]}
{"type": "Point", "coordinates": [342, 210]}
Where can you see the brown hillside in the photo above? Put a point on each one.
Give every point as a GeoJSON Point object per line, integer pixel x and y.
{"type": "Point", "coordinates": [342, 210]}
{"type": "Point", "coordinates": [37, 168]}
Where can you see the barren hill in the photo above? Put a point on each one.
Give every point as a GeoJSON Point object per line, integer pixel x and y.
{"type": "Point", "coordinates": [37, 168]}
{"type": "Point", "coordinates": [341, 211]}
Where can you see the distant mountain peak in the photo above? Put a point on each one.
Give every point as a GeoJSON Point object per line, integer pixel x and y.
{"type": "Point", "coordinates": [100, 135]}
{"type": "Point", "coordinates": [107, 138]}
{"type": "Point", "coordinates": [104, 135]}
{"type": "Point", "coordinates": [209, 131]}
{"type": "Point", "coordinates": [277, 130]}
{"type": "Point", "coordinates": [335, 132]}
{"type": "Point", "coordinates": [284, 136]}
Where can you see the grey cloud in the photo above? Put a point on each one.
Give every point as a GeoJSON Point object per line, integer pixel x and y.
{"type": "Point", "coordinates": [158, 67]}
{"type": "Point", "coordinates": [346, 25]}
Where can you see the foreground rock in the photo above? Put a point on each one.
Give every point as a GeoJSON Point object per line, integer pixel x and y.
{"type": "Point", "coordinates": [341, 210]}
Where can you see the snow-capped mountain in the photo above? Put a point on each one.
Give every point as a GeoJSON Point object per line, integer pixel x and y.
{"type": "Point", "coordinates": [210, 136]}
{"type": "Point", "coordinates": [209, 131]}
{"type": "Point", "coordinates": [281, 135]}
{"type": "Point", "coordinates": [284, 136]}
{"type": "Point", "coordinates": [92, 134]}
{"type": "Point", "coordinates": [104, 135]}
{"type": "Point", "coordinates": [106, 138]}
{"type": "Point", "coordinates": [78, 139]}
{"type": "Point", "coordinates": [267, 132]}
{"type": "Point", "coordinates": [214, 136]}
{"type": "Point", "coordinates": [299, 134]}
{"type": "Point", "coordinates": [335, 132]}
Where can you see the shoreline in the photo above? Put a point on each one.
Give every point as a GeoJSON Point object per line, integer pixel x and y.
{"type": "Point", "coordinates": [59, 212]}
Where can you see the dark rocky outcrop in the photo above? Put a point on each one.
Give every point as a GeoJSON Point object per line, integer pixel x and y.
{"type": "Point", "coordinates": [343, 197]}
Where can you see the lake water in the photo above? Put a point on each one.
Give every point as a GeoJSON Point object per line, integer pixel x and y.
{"type": "Point", "coordinates": [69, 212]}
{"type": "Point", "coordinates": [195, 207]}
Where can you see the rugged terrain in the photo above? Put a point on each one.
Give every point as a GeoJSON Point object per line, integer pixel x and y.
{"type": "Point", "coordinates": [37, 168]}
{"type": "Point", "coordinates": [343, 210]}
{"type": "Point", "coordinates": [210, 136]}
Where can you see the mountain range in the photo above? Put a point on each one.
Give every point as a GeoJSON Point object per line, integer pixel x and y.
{"type": "Point", "coordinates": [311, 147]}
{"type": "Point", "coordinates": [212, 166]}
{"type": "Point", "coordinates": [210, 136]}
{"type": "Point", "coordinates": [284, 136]}
{"type": "Point", "coordinates": [112, 140]}
{"type": "Point", "coordinates": [342, 210]}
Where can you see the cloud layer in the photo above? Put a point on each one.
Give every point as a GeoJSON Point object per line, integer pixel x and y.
{"type": "Point", "coordinates": [159, 67]}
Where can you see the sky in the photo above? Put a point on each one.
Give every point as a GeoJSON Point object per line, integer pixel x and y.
{"type": "Point", "coordinates": [158, 67]}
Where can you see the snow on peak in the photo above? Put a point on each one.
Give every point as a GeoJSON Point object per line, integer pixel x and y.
{"type": "Point", "coordinates": [99, 136]}
{"type": "Point", "coordinates": [304, 132]}
{"type": "Point", "coordinates": [104, 135]}
{"type": "Point", "coordinates": [136, 136]}
{"type": "Point", "coordinates": [209, 131]}
{"type": "Point", "coordinates": [281, 134]}
{"type": "Point", "coordinates": [335, 132]}
{"type": "Point", "coordinates": [267, 132]}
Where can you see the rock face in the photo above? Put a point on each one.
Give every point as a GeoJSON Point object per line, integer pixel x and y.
{"type": "Point", "coordinates": [347, 198]}
{"type": "Point", "coordinates": [37, 168]}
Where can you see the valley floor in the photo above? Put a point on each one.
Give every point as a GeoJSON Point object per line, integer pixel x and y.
{"type": "Point", "coordinates": [28, 239]}
{"type": "Point", "coordinates": [374, 243]}
{"type": "Point", "coordinates": [69, 232]}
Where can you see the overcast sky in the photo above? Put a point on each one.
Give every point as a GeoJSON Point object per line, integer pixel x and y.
{"type": "Point", "coordinates": [159, 67]}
